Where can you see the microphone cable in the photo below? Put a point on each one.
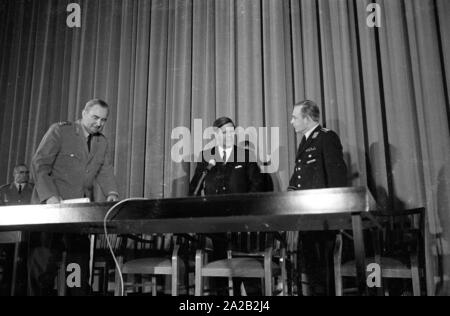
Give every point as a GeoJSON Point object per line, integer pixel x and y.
{"type": "Point", "coordinates": [105, 220]}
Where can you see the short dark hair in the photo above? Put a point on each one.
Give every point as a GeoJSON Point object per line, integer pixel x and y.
{"type": "Point", "coordinates": [309, 108]}
{"type": "Point", "coordinates": [93, 102]}
{"type": "Point", "coordinates": [20, 165]}
{"type": "Point", "coordinates": [221, 121]}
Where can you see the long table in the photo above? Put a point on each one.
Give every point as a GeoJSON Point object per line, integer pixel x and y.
{"type": "Point", "coordinates": [309, 210]}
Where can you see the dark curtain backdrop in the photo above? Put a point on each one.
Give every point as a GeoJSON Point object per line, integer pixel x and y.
{"type": "Point", "coordinates": [163, 63]}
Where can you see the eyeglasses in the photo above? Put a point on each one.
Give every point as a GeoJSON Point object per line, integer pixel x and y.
{"type": "Point", "coordinates": [23, 172]}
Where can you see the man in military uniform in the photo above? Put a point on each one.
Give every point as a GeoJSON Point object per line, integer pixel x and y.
{"type": "Point", "coordinates": [16, 193]}
{"type": "Point", "coordinates": [69, 159]}
{"type": "Point", "coordinates": [19, 191]}
{"type": "Point", "coordinates": [319, 161]}
{"type": "Point", "coordinates": [319, 164]}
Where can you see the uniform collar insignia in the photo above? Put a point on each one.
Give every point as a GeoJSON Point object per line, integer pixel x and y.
{"type": "Point", "coordinates": [315, 135]}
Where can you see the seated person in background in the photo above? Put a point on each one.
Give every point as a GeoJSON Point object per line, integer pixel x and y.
{"type": "Point", "coordinates": [20, 190]}
{"type": "Point", "coordinates": [230, 171]}
{"type": "Point", "coordinates": [16, 193]}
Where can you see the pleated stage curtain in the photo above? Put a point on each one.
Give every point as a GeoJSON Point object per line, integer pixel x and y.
{"type": "Point", "coordinates": [161, 64]}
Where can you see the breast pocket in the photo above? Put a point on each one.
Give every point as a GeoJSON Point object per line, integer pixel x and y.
{"type": "Point", "coordinates": [69, 161]}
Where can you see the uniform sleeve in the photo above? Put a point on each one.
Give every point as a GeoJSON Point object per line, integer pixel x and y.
{"type": "Point", "coordinates": [105, 177]}
{"type": "Point", "coordinates": [335, 168]}
{"type": "Point", "coordinates": [1, 196]}
{"type": "Point", "coordinates": [254, 175]}
{"type": "Point", "coordinates": [42, 163]}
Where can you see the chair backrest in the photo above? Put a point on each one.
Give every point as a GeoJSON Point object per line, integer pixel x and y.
{"type": "Point", "coordinates": [401, 228]}
{"type": "Point", "coordinates": [250, 242]}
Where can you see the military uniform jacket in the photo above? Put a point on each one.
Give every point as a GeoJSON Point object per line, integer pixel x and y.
{"type": "Point", "coordinates": [239, 175]}
{"type": "Point", "coordinates": [9, 194]}
{"type": "Point", "coordinates": [63, 166]}
{"type": "Point", "coordinates": [319, 162]}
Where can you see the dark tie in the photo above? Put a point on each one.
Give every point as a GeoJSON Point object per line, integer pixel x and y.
{"type": "Point", "coordinates": [303, 142]}
{"type": "Point", "coordinates": [224, 156]}
{"type": "Point", "coordinates": [20, 189]}
{"type": "Point", "coordinates": [89, 142]}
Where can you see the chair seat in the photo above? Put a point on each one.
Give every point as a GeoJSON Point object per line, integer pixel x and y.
{"type": "Point", "coordinates": [149, 266]}
{"type": "Point", "coordinates": [390, 268]}
{"type": "Point", "coordinates": [238, 267]}
{"type": "Point", "coordinates": [10, 237]}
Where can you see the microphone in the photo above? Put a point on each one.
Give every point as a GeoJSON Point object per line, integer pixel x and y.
{"type": "Point", "coordinates": [211, 164]}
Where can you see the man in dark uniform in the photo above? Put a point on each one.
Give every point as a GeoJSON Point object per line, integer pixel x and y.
{"type": "Point", "coordinates": [319, 164]}
{"type": "Point", "coordinates": [232, 168]}
{"type": "Point", "coordinates": [16, 193]}
{"type": "Point", "coordinates": [229, 169]}
{"type": "Point", "coordinates": [70, 158]}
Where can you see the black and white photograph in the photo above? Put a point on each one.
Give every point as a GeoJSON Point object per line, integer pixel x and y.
{"type": "Point", "coordinates": [225, 153]}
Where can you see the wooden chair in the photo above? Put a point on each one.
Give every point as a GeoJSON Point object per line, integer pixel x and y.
{"type": "Point", "coordinates": [402, 244]}
{"type": "Point", "coordinates": [245, 259]}
{"type": "Point", "coordinates": [162, 255]}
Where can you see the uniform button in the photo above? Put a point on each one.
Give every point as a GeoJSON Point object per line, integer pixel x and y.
{"type": "Point", "coordinates": [299, 186]}
{"type": "Point", "coordinates": [310, 156]}
{"type": "Point", "coordinates": [72, 155]}
{"type": "Point", "coordinates": [299, 177]}
{"type": "Point", "coordinates": [224, 188]}
{"type": "Point", "coordinates": [299, 161]}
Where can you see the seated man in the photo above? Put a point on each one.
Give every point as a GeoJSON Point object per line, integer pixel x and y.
{"type": "Point", "coordinates": [230, 170]}
{"type": "Point", "coordinates": [16, 193]}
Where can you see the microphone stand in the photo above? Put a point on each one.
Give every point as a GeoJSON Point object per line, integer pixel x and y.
{"type": "Point", "coordinates": [211, 165]}
{"type": "Point", "coordinates": [200, 182]}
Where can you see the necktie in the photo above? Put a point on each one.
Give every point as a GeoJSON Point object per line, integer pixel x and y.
{"type": "Point", "coordinates": [89, 142]}
{"type": "Point", "coordinates": [224, 156]}
{"type": "Point", "coordinates": [303, 142]}
{"type": "Point", "coordinates": [20, 189]}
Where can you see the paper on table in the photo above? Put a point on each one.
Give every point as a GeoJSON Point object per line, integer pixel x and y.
{"type": "Point", "coordinates": [76, 201]}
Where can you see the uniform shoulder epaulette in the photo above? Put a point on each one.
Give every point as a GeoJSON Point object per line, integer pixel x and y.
{"type": "Point", "coordinates": [325, 130]}
{"type": "Point", "coordinates": [64, 123]}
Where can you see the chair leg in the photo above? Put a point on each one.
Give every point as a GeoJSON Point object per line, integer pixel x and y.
{"type": "Point", "coordinates": [61, 277]}
{"type": "Point", "coordinates": [230, 287]}
{"type": "Point", "coordinates": [283, 273]}
{"type": "Point", "coordinates": [154, 286]}
{"type": "Point", "coordinates": [268, 272]}
{"type": "Point", "coordinates": [175, 276]}
{"type": "Point", "coordinates": [198, 273]}
{"type": "Point", "coordinates": [415, 275]}
{"type": "Point", "coordinates": [386, 287]}
{"type": "Point", "coordinates": [14, 273]}
{"type": "Point", "coordinates": [337, 265]}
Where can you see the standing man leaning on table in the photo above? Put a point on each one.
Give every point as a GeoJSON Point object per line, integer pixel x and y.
{"type": "Point", "coordinates": [69, 160]}
{"type": "Point", "coordinates": [319, 164]}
